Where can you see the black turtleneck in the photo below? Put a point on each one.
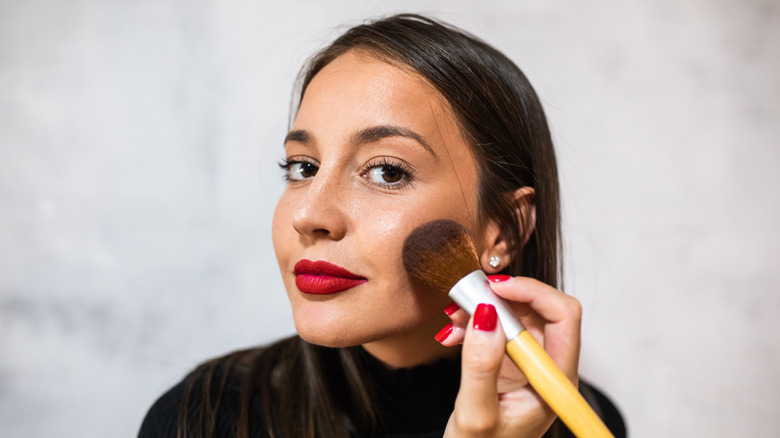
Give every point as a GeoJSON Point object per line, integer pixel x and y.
{"type": "Point", "coordinates": [412, 403]}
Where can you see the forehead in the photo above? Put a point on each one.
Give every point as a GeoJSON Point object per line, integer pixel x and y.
{"type": "Point", "coordinates": [362, 89]}
{"type": "Point", "coordinates": [360, 67]}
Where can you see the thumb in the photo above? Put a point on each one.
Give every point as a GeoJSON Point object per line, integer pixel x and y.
{"type": "Point", "coordinates": [476, 408]}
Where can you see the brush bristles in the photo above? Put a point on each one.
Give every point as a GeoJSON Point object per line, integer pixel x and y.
{"type": "Point", "coordinates": [439, 254]}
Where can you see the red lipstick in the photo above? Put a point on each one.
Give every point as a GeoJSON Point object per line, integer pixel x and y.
{"type": "Point", "coordinates": [322, 278]}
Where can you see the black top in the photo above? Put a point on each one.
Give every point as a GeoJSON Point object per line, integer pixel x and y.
{"type": "Point", "coordinates": [414, 403]}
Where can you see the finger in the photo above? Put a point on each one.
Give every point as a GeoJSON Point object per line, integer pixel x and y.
{"type": "Point", "coordinates": [457, 314]}
{"type": "Point", "coordinates": [550, 303]}
{"type": "Point", "coordinates": [476, 408]}
{"type": "Point", "coordinates": [562, 315]}
{"type": "Point", "coordinates": [451, 335]}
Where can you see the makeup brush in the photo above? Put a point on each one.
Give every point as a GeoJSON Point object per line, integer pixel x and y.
{"type": "Point", "coordinates": [441, 255]}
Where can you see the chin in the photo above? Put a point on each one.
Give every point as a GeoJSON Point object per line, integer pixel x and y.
{"type": "Point", "coordinates": [327, 332]}
{"type": "Point", "coordinates": [326, 338]}
{"type": "Point", "coordinates": [338, 332]}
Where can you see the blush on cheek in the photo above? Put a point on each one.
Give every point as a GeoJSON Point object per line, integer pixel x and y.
{"type": "Point", "coordinates": [390, 225]}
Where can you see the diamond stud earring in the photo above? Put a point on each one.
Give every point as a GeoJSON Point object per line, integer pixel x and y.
{"type": "Point", "coordinates": [494, 261]}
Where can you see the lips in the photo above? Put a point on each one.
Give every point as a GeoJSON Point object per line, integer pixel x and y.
{"type": "Point", "coordinates": [323, 278]}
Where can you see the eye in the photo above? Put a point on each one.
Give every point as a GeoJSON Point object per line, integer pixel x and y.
{"type": "Point", "coordinates": [384, 174]}
{"type": "Point", "coordinates": [298, 170]}
{"type": "Point", "coordinates": [388, 174]}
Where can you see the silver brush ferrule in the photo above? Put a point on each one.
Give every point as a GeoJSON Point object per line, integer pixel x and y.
{"type": "Point", "coordinates": [474, 289]}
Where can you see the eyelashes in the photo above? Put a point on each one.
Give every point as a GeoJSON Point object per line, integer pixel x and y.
{"type": "Point", "coordinates": [384, 172]}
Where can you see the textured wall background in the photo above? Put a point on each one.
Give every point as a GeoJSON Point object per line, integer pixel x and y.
{"type": "Point", "coordinates": [138, 142]}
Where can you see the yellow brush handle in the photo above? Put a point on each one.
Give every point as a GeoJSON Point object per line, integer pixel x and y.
{"type": "Point", "coordinates": [555, 388]}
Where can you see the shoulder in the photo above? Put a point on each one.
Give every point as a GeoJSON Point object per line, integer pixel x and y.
{"type": "Point", "coordinates": [605, 408]}
{"type": "Point", "coordinates": [162, 418]}
{"type": "Point", "coordinates": [190, 401]}
{"type": "Point", "coordinates": [211, 398]}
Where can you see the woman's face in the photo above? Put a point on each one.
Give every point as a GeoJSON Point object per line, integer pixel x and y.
{"type": "Point", "coordinates": [373, 153]}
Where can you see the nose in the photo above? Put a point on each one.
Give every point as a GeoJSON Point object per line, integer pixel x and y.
{"type": "Point", "coordinates": [320, 211]}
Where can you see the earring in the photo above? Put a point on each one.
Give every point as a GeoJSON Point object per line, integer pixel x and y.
{"type": "Point", "coordinates": [494, 261]}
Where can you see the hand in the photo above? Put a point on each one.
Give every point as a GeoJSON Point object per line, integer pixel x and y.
{"type": "Point", "coordinates": [495, 399]}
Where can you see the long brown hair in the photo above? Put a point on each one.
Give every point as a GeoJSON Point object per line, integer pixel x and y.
{"type": "Point", "coordinates": [306, 390]}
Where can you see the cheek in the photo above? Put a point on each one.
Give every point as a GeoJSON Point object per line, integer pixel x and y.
{"type": "Point", "coordinates": [281, 226]}
{"type": "Point", "coordinates": [384, 229]}
{"type": "Point", "coordinates": [389, 229]}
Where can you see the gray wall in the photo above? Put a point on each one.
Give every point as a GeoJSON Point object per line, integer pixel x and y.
{"type": "Point", "coordinates": [138, 142]}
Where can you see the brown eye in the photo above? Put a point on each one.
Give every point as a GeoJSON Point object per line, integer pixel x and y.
{"type": "Point", "coordinates": [299, 170]}
{"type": "Point", "coordinates": [384, 174]}
{"type": "Point", "coordinates": [307, 170]}
{"type": "Point", "coordinates": [389, 175]}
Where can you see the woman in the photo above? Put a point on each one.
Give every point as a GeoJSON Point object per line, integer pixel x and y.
{"type": "Point", "coordinates": [400, 121]}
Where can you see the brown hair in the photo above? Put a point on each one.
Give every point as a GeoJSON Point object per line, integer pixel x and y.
{"type": "Point", "coordinates": [302, 386]}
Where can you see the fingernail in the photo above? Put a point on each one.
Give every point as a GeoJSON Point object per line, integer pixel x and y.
{"type": "Point", "coordinates": [499, 278]}
{"type": "Point", "coordinates": [452, 308]}
{"type": "Point", "coordinates": [485, 317]}
{"type": "Point", "coordinates": [444, 333]}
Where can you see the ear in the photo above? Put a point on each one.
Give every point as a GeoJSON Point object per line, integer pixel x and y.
{"type": "Point", "coordinates": [496, 243]}
{"type": "Point", "coordinates": [525, 208]}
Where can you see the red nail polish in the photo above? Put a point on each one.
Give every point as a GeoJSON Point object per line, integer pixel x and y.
{"type": "Point", "coordinates": [485, 317]}
{"type": "Point", "coordinates": [444, 333]}
{"type": "Point", "coordinates": [452, 308]}
{"type": "Point", "coordinates": [499, 278]}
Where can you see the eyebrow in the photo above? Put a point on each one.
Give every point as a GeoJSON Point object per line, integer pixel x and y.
{"type": "Point", "coordinates": [368, 135]}
{"type": "Point", "coordinates": [298, 135]}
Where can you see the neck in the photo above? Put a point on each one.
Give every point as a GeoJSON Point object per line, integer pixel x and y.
{"type": "Point", "coordinates": [410, 349]}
